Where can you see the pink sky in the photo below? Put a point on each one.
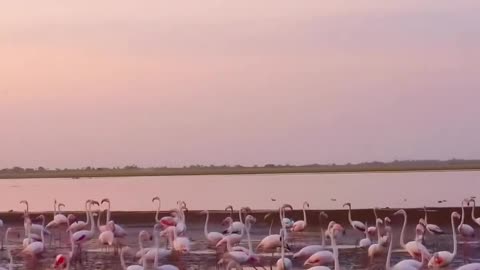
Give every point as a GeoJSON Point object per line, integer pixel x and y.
{"type": "Point", "coordinates": [216, 82]}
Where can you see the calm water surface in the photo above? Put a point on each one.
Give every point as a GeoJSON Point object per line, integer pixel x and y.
{"type": "Point", "coordinates": [323, 191]}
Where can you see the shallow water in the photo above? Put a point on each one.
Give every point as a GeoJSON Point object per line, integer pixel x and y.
{"type": "Point", "coordinates": [323, 191]}
{"type": "Point", "coordinates": [201, 257]}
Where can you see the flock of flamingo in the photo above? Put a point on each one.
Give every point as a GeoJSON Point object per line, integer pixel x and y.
{"type": "Point", "coordinates": [170, 239]}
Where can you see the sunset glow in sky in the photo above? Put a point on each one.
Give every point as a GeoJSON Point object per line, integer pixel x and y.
{"type": "Point", "coordinates": [251, 82]}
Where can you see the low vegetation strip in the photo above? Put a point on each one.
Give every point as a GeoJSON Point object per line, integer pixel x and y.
{"type": "Point", "coordinates": [132, 170]}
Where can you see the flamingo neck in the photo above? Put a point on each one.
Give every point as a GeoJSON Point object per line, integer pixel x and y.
{"type": "Point", "coordinates": [389, 254]}
{"type": "Point", "coordinates": [108, 213]}
{"type": "Point", "coordinates": [426, 216]}
{"type": "Point", "coordinates": [157, 249]}
{"type": "Point", "coordinates": [454, 236]}
{"type": "Point", "coordinates": [350, 214]}
{"type": "Point", "coordinates": [122, 259]}
{"type": "Point", "coordinates": [86, 213]}
{"type": "Point", "coordinates": [240, 215]}
{"type": "Point", "coordinates": [402, 234]}
{"type": "Point", "coordinates": [335, 250]}
{"type": "Point", "coordinates": [379, 235]}
{"type": "Point", "coordinates": [158, 211]}
{"type": "Point", "coordinates": [205, 229]}
{"type": "Point", "coordinates": [270, 230]}
{"type": "Point", "coordinates": [463, 214]}
{"type": "Point", "coordinates": [92, 227]}
{"type": "Point", "coordinates": [247, 228]}
{"type": "Point", "coordinates": [304, 214]}
{"type": "Point", "coordinates": [473, 210]}
{"type": "Point", "coordinates": [98, 220]}
{"type": "Point", "coordinates": [55, 208]}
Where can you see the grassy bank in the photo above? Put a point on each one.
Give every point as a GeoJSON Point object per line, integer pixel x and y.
{"type": "Point", "coordinates": [129, 171]}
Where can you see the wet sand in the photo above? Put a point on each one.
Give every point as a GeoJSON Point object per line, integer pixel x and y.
{"type": "Point", "coordinates": [201, 257]}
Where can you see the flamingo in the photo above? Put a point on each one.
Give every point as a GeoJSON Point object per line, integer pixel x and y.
{"type": "Point", "coordinates": [150, 253]}
{"type": "Point", "coordinates": [414, 248]}
{"type": "Point", "coordinates": [9, 252]}
{"type": "Point", "coordinates": [35, 248]}
{"type": "Point", "coordinates": [241, 255]}
{"type": "Point", "coordinates": [59, 219]}
{"type": "Point", "coordinates": [212, 237]}
{"type": "Point", "coordinates": [420, 230]}
{"type": "Point", "coordinates": [35, 228]}
{"type": "Point", "coordinates": [444, 258]}
{"type": "Point", "coordinates": [408, 264]}
{"type": "Point", "coordinates": [236, 226]}
{"type": "Point", "coordinates": [431, 228]}
{"type": "Point", "coordinates": [335, 253]}
{"type": "Point", "coordinates": [366, 242]}
{"type": "Point", "coordinates": [357, 225]}
{"type": "Point", "coordinates": [78, 225]}
{"type": "Point", "coordinates": [179, 243]}
{"type": "Point", "coordinates": [476, 220]}
{"type": "Point", "coordinates": [312, 249]}
{"type": "Point", "coordinates": [465, 230]}
{"type": "Point", "coordinates": [300, 225]}
{"type": "Point", "coordinates": [63, 261]}
{"type": "Point", "coordinates": [322, 257]}
{"type": "Point", "coordinates": [119, 231]}
{"type": "Point", "coordinates": [157, 253]}
{"type": "Point", "coordinates": [83, 236]}
{"type": "Point", "coordinates": [142, 236]}
{"type": "Point", "coordinates": [379, 247]}
{"type": "Point", "coordinates": [284, 263]}
{"type": "Point", "coordinates": [130, 267]}
{"type": "Point", "coordinates": [373, 229]}
{"type": "Point", "coordinates": [273, 241]}
{"type": "Point", "coordinates": [107, 238]}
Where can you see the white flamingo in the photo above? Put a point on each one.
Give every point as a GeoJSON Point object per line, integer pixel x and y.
{"type": "Point", "coordinates": [300, 225]}
{"type": "Point", "coordinates": [130, 267]}
{"type": "Point", "coordinates": [151, 253]}
{"type": "Point", "coordinates": [476, 220]}
{"type": "Point", "coordinates": [157, 255]}
{"type": "Point", "coordinates": [107, 238]}
{"type": "Point", "coordinates": [444, 258]}
{"type": "Point", "coordinates": [241, 255]}
{"type": "Point", "coordinates": [379, 247]}
{"type": "Point", "coordinates": [356, 225]}
{"type": "Point", "coordinates": [431, 228]}
{"type": "Point", "coordinates": [84, 236]}
{"type": "Point", "coordinates": [312, 249]}
{"type": "Point", "coordinates": [284, 263]}
{"type": "Point", "coordinates": [465, 230]}
{"type": "Point", "coordinates": [273, 241]}
{"type": "Point", "coordinates": [119, 231]}
{"type": "Point", "coordinates": [9, 252]}
{"type": "Point", "coordinates": [408, 264]}
{"type": "Point", "coordinates": [366, 242]}
{"type": "Point", "coordinates": [335, 253]}
{"type": "Point", "coordinates": [35, 228]}
{"type": "Point", "coordinates": [323, 257]}
{"type": "Point", "coordinates": [142, 236]}
{"type": "Point", "coordinates": [35, 248]}
{"type": "Point", "coordinates": [77, 225]}
{"type": "Point", "coordinates": [414, 248]}
{"type": "Point", "coordinates": [212, 237]}
{"type": "Point", "coordinates": [235, 226]}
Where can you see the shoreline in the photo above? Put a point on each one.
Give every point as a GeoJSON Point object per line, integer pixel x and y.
{"type": "Point", "coordinates": [110, 173]}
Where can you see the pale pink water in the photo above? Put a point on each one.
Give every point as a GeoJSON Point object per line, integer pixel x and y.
{"type": "Point", "coordinates": [364, 190]}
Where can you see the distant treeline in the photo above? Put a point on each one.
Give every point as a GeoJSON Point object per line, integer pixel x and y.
{"type": "Point", "coordinates": [133, 170]}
